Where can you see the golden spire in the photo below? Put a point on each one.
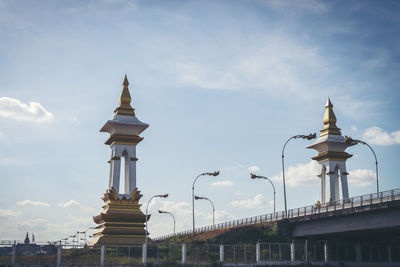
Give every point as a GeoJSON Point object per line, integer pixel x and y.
{"type": "Point", "coordinates": [125, 107]}
{"type": "Point", "coordinates": [330, 121]}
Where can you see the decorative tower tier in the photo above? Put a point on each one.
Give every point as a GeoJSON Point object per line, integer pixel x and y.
{"type": "Point", "coordinates": [332, 157]}
{"type": "Point", "coordinates": [122, 222]}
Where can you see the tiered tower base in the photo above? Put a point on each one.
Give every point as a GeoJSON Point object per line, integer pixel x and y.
{"type": "Point", "coordinates": [121, 222]}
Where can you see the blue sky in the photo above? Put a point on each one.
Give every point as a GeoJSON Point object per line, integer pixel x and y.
{"type": "Point", "coordinates": [222, 84]}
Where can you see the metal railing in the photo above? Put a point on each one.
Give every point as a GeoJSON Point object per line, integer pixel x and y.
{"type": "Point", "coordinates": [359, 201]}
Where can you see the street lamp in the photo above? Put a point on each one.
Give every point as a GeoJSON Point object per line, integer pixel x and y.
{"type": "Point", "coordinates": [352, 142]}
{"type": "Point", "coordinates": [205, 198]}
{"type": "Point", "coordinates": [206, 173]}
{"type": "Point", "coordinates": [84, 232]}
{"type": "Point", "coordinates": [253, 176]}
{"type": "Point", "coordinates": [147, 208]}
{"type": "Point", "coordinates": [167, 212]}
{"type": "Point", "coordinates": [308, 137]}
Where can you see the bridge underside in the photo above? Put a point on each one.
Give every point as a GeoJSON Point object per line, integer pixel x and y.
{"type": "Point", "coordinates": [376, 222]}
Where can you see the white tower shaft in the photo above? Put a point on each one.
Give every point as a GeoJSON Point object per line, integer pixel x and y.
{"type": "Point", "coordinates": [332, 157]}
{"type": "Point", "coordinates": [124, 130]}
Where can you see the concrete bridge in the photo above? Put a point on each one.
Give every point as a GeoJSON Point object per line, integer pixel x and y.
{"type": "Point", "coordinates": [377, 213]}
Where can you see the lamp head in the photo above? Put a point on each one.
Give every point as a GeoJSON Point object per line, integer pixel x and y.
{"type": "Point", "coordinates": [350, 141]}
{"type": "Point", "coordinates": [312, 136]}
{"type": "Point", "coordinates": [162, 196]}
{"type": "Point", "coordinates": [216, 173]}
{"type": "Point", "coordinates": [253, 176]}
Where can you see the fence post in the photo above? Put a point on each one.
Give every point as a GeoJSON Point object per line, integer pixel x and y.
{"type": "Point", "coordinates": [326, 255]}
{"type": "Point", "coordinates": [144, 254]}
{"type": "Point", "coordinates": [292, 252]}
{"type": "Point", "coordinates": [183, 253]}
{"type": "Point", "coordinates": [221, 253]}
{"type": "Point", "coordinates": [14, 255]}
{"type": "Point", "coordinates": [389, 254]}
{"type": "Point", "coordinates": [102, 255]}
{"type": "Point", "coordinates": [258, 255]}
{"type": "Point", "coordinates": [59, 255]}
{"type": "Point", "coordinates": [358, 252]}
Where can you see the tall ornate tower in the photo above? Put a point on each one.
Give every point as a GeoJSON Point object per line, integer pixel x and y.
{"type": "Point", "coordinates": [332, 157]}
{"type": "Point", "coordinates": [122, 222]}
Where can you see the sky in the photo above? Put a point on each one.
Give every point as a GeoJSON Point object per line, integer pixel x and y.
{"type": "Point", "coordinates": [223, 85]}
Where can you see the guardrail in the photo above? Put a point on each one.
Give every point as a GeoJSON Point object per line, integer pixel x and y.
{"type": "Point", "coordinates": [359, 201]}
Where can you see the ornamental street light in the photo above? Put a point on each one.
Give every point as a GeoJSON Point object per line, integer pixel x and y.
{"type": "Point", "coordinates": [253, 176]}
{"type": "Point", "coordinates": [206, 173]}
{"type": "Point", "coordinates": [147, 208]}
{"type": "Point", "coordinates": [167, 212]}
{"type": "Point", "coordinates": [352, 142]}
{"type": "Point", "coordinates": [308, 137]}
{"type": "Point", "coordinates": [212, 204]}
{"type": "Point", "coordinates": [84, 232]}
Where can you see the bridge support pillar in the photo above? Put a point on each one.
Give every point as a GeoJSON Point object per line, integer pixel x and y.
{"type": "Point", "coordinates": [102, 255]}
{"type": "Point", "coordinates": [292, 252]}
{"type": "Point", "coordinates": [326, 255]}
{"type": "Point", "coordinates": [59, 255]}
{"type": "Point", "coordinates": [306, 251]}
{"type": "Point", "coordinates": [144, 254]}
{"type": "Point", "coordinates": [258, 255]}
{"type": "Point", "coordinates": [183, 253]}
{"type": "Point", "coordinates": [14, 255]}
{"type": "Point", "coordinates": [221, 253]}
{"type": "Point", "coordinates": [358, 252]}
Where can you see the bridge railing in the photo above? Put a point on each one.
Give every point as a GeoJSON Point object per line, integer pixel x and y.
{"type": "Point", "coordinates": [359, 201]}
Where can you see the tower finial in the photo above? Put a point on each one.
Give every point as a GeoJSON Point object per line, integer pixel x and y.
{"type": "Point", "coordinates": [125, 107]}
{"type": "Point", "coordinates": [330, 120]}
{"type": "Point", "coordinates": [125, 83]}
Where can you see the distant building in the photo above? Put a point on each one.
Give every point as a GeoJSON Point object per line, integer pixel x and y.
{"type": "Point", "coordinates": [29, 249]}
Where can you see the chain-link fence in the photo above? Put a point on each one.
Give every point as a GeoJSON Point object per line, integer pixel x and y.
{"type": "Point", "coordinates": [307, 251]}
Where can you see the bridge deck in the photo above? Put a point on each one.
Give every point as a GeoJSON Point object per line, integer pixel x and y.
{"type": "Point", "coordinates": [352, 205]}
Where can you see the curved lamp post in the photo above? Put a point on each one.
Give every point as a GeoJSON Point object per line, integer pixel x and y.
{"type": "Point", "coordinates": [206, 173]}
{"type": "Point", "coordinates": [147, 208]}
{"type": "Point", "coordinates": [167, 212]}
{"type": "Point", "coordinates": [352, 142]}
{"type": "Point", "coordinates": [253, 176]}
{"type": "Point", "coordinates": [308, 137]}
{"type": "Point", "coordinates": [84, 232]}
{"type": "Point", "coordinates": [212, 204]}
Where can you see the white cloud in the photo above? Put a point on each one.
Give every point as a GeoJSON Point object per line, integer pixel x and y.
{"type": "Point", "coordinates": [254, 168]}
{"type": "Point", "coordinates": [74, 203]}
{"type": "Point", "coordinates": [361, 178]}
{"type": "Point", "coordinates": [378, 136]}
{"type": "Point", "coordinates": [222, 183]}
{"type": "Point", "coordinates": [9, 213]}
{"type": "Point", "coordinates": [15, 109]}
{"type": "Point", "coordinates": [71, 225]}
{"type": "Point", "coordinates": [220, 216]}
{"type": "Point", "coordinates": [2, 136]}
{"type": "Point", "coordinates": [182, 212]}
{"type": "Point", "coordinates": [33, 225]}
{"type": "Point", "coordinates": [300, 174]}
{"type": "Point", "coordinates": [354, 128]}
{"type": "Point", "coordinates": [306, 175]}
{"type": "Point", "coordinates": [73, 120]}
{"type": "Point", "coordinates": [256, 202]}
{"type": "Point", "coordinates": [71, 203]}
{"type": "Point", "coordinates": [31, 203]}
{"type": "Point", "coordinates": [317, 7]}
{"type": "Point", "coordinates": [272, 64]}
